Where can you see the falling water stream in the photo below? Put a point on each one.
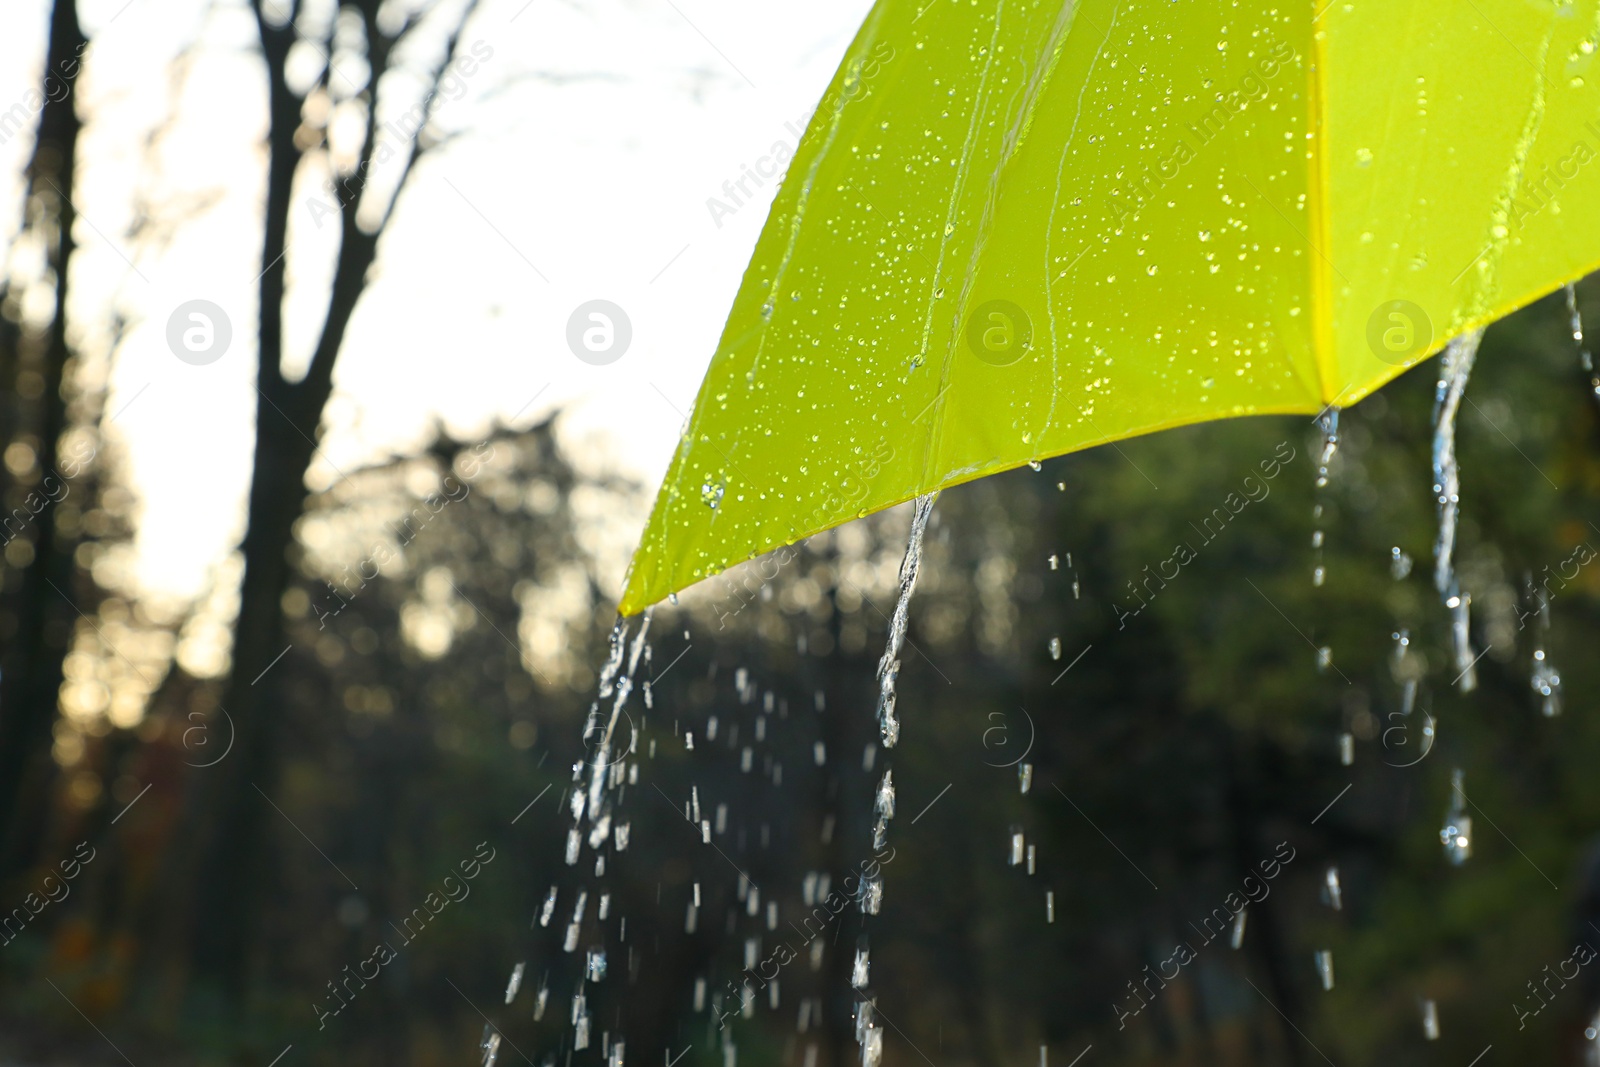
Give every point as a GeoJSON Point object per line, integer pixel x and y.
{"type": "Point", "coordinates": [595, 798]}
{"type": "Point", "coordinates": [1576, 322]}
{"type": "Point", "coordinates": [889, 665]}
{"type": "Point", "coordinates": [868, 1033]}
{"type": "Point", "coordinates": [598, 784]}
{"type": "Point", "coordinates": [1544, 678]}
{"type": "Point", "coordinates": [1455, 367]}
{"type": "Point", "coordinates": [1328, 423]}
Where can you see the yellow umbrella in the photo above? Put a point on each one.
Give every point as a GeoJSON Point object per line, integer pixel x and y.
{"type": "Point", "coordinates": [1018, 229]}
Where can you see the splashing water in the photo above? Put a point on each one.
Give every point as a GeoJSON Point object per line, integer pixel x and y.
{"type": "Point", "coordinates": [1576, 321]}
{"type": "Point", "coordinates": [1324, 960]}
{"type": "Point", "coordinates": [1457, 833]}
{"type": "Point", "coordinates": [889, 665]}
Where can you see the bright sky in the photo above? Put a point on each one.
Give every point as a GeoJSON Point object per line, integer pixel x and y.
{"type": "Point", "coordinates": [590, 141]}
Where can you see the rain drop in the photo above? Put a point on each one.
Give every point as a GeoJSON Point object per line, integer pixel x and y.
{"type": "Point", "coordinates": [1457, 833]}
{"type": "Point", "coordinates": [1324, 960]}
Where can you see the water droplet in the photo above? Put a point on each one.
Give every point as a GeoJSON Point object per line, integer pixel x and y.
{"type": "Point", "coordinates": [1457, 833]}
{"type": "Point", "coordinates": [1324, 960]}
{"type": "Point", "coordinates": [515, 982]}
{"type": "Point", "coordinates": [1328, 423]}
{"type": "Point", "coordinates": [861, 968]}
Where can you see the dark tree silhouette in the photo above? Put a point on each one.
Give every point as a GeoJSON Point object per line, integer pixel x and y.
{"type": "Point", "coordinates": [288, 418]}
{"type": "Point", "coordinates": [38, 614]}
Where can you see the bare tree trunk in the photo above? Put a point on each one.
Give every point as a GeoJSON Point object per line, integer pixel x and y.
{"type": "Point", "coordinates": [44, 613]}
{"type": "Point", "coordinates": [288, 417]}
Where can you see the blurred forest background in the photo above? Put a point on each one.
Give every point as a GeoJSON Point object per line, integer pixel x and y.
{"type": "Point", "coordinates": [193, 863]}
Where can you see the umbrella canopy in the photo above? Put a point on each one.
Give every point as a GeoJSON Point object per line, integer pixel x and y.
{"type": "Point", "coordinates": [1018, 229]}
